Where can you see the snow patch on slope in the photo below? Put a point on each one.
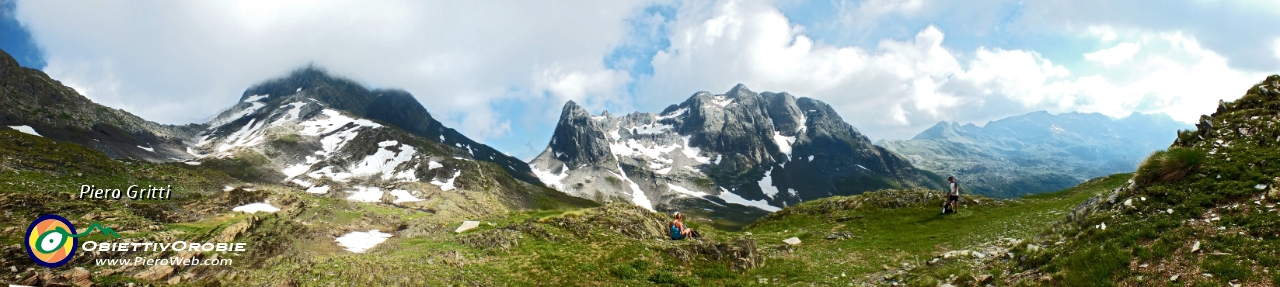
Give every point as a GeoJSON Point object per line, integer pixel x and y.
{"type": "Point", "coordinates": [256, 207]}
{"type": "Point", "coordinates": [652, 129]}
{"type": "Point", "coordinates": [228, 118]}
{"type": "Point", "coordinates": [637, 195]}
{"type": "Point", "coordinates": [365, 194]}
{"type": "Point", "coordinates": [804, 124]}
{"type": "Point", "coordinates": [784, 142]}
{"type": "Point", "coordinates": [334, 129]}
{"type": "Point", "coordinates": [673, 114]}
{"type": "Point", "coordinates": [295, 170]}
{"type": "Point", "coordinates": [328, 172]}
{"type": "Point", "coordinates": [403, 196]}
{"type": "Point", "coordinates": [384, 161]}
{"type": "Point", "coordinates": [656, 152]}
{"type": "Point", "coordinates": [26, 130]}
{"type": "Point", "coordinates": [551, 179]}
{"type": "Point", "coordinates": [766, 185]}
{"type": "Point", "coordinates": [248, 135]}
{"type": "Point", "coordinates": [318, 189]}
{"type": "Point", "coordinates": [735, 199]}
{"type": "Point", "coordinates": [721, 101]}
{"type": "Point", "coordinates": [255, 98]}
{"type": "Point", "coordinates": [448, 184]}
{"type": "Point", "coordinates": [359, 242]}
{"type": "Point", "coordinates": [295, 108]}
{"type": "Point", "coordinates": [685, 192]}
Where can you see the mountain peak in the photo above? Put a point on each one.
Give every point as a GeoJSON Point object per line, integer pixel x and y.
{"type": "Point", "coordinates": [738, 90]}
{"type": "Point", "coordinates": [573, 110]}
{"type": "Point", "coordinates": [310, 90]}
{"type": "Point", "coordinates": [941, 130]}
{"type": "Point", "coordinates": [7, 60]}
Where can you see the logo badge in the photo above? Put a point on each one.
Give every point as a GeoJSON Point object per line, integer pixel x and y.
{"type": "Point", "coordinates": [51, 241]}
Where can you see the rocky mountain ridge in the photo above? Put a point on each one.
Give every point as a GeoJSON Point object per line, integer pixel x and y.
{"type": "Point", "coordinates": [758, 150]}
{"type": "Point", "coordinates": [32, 101]}
{"type": "Point", "coordinates": [331, 136]}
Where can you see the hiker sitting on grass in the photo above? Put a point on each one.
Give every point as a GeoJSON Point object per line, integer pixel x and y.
{"type": "Point", "coordinates": [678, 230]}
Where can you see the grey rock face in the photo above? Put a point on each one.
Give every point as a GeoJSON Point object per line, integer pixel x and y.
{"type": "Point", "coordinates": [722, 153]}
{"type": "Point", "coordinates": [578, 139]}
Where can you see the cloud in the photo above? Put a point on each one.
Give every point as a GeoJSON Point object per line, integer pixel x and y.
{"type": "Point", "coordinates": [865, 14]}
{"type": "Point", "coordinates": [500, 73]}
{"type": "Point", "coordinates": [181, 61]}
{"type": "Point", "coordinates": [1173, 73]}
{"type": "Point", "coordinates": [1113, 55]}
{"type": "Point", "coordinates": [1276, 46]}
{"type": "Point", "coordinates": [593, 89]}
{"type": "Point", "coordinates": [1232, 29]}
{"type": "Point", "coordinates": [904, 86]}
{"type": "Point", "coordinates": [892, 91]}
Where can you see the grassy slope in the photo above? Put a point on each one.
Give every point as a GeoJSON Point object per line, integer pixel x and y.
{"type": "Point", "coordinates": [39, 176]}
{"type": "Point", "coordinates": [886, 236]}
{"type": "Point", "coordinates": [1214, 189]}
{"type": "Point", "coordinates": [559, 246]}
{"type": "Point", "coordinates": [913, 234]}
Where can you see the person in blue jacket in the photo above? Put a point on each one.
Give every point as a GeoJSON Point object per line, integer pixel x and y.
{"type": "Point", "coordinates": [678, 230]}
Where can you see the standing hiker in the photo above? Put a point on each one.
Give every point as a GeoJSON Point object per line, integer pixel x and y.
{"type": "Point", "coordinates": [953, 196]}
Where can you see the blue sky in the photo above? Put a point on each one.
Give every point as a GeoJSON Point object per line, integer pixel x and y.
{"type": "Point", "coordinates": [500, 72]}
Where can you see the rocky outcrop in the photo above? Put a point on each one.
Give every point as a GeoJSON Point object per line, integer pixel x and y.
{"type": "Point", "coordinates": [578, 139]}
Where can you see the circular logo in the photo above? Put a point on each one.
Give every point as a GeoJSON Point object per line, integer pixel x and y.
{"type": "Point", "coordinates": [50, 241]}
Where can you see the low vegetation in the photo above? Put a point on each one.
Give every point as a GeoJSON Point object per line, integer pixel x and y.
{"type": "Point", "coordinates": [1202, 212]}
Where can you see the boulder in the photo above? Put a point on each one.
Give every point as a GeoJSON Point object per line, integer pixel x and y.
{"type": "Point", "coordinates": [792, 241]}
{"type": "Point", "coordinates": [155, 273]}
{"type": "Point", "coordinates": [467, 225]}
{"type": "Point", "coordinates": [740, 254]}
{"type": "Point", "coordinates": [78, 277]}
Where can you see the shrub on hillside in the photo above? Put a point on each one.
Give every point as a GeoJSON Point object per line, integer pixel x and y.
{"type": "Point", "coordinates": [1169, 165]}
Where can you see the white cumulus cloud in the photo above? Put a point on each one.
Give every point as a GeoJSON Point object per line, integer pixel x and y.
{"type": "Point", "coordinates": [1114, 55]}
{"type": "Point", "coordinates": [181, 61]}
{"type": "Point", "coordinates": [904, 86]}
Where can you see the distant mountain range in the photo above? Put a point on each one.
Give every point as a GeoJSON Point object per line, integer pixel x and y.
{"type": "Point", "coordinates": [1037, 152]}
{"type": "Point", "coordinates": [740, 153]}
